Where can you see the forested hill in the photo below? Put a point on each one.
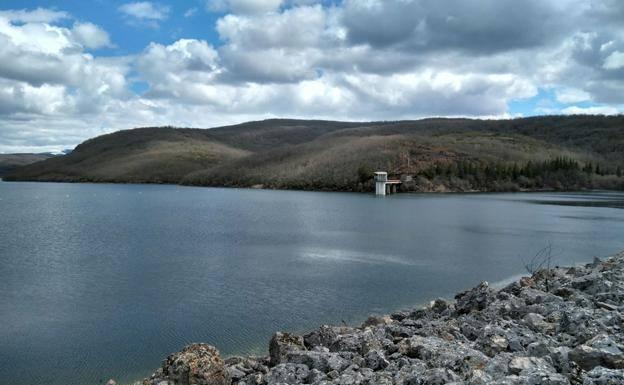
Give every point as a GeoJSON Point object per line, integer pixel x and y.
{"type": "Point", "coordinates": [553, 152]}
{"type": "Point", "coordinates": [9, 162]}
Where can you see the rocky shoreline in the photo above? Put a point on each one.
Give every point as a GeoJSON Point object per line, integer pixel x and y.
{"type": "Point", "coordinates": [561, 326]}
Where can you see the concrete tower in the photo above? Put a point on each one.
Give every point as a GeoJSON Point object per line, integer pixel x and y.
{"type": "Point", "coordinates": [381, 178]}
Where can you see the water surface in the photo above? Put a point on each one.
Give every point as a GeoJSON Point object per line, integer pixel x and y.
{"type": "Point", "coordinates": [101, 281]}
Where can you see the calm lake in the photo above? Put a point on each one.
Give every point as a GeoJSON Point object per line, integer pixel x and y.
{"type": "Point", "coordinates": [101, 281]}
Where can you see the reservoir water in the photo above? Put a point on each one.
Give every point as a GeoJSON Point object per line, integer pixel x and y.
{"type": "Point", "coordinates": [104, 281]}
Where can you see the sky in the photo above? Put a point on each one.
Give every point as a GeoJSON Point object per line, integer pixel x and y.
{"type": "Point", "coordinates": [74, 69]}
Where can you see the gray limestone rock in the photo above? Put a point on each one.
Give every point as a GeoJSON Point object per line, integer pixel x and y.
{"type": "Point", "coordinates": [283, 343]}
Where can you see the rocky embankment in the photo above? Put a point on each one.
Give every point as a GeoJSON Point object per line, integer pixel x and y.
{"type": "Point", "coordinates": [560, 326]}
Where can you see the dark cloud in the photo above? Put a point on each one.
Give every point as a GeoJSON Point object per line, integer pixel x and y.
{"type": "Point", "coordinates": [482, 26]}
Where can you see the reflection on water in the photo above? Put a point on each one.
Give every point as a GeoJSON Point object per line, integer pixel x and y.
{"type": "Point", "coordinates": [611, 203]}
{"type": "Point", "coordinates": [334, 255]}
{"type": "Point", "coordinates": [596, 199]}
{"type": "Point", "coordinates": [101, 281]}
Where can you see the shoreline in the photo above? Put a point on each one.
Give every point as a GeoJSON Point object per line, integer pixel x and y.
{"type": "Point", "coordinates": [559, 326]}
{"type": "Point", "coordinates": [446, 192]}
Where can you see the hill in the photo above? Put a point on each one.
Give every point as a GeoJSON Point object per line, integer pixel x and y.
{"type": "Point", "coordinates": [9, 162]}
{"type": "Point", "coordinates": [554, 152]}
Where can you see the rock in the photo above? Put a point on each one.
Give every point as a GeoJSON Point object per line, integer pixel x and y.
{"type": "Point", "coordinates": [497, 344]}
{"type": "Point", "coordinates": [563, 326]}
{"type": "Point", "coordinates": [411, 374]}
{"type": "Point", "coordinates": [377, 320]}
{"type": "Point", "coordinates": [316, 376]}
{"type": "Point", "coordinates": [376, 360]}
{"type": "Point", "coordinates": [283, 343]}
{"type": "Point", "coordinates": [538, 349]}
{"type": "Point", "coordinates": [320, 360]}
{"type": "Point", "coordinates": [541, 378]}
{"type": "Point", "coordinates": [440, 306]}
{"type": "Point", "coordinates": [197, 364]}
{"type": "Point", "coordinates": [603, 376]}
{"type": "Point", "coordinates": [606, 306]}
{"type": "Point", "coordinates": [519, 365]}
{"type": "Point", "coordinates": [290, 374]}
{"type": "Point", "coordinates": [599, 351]}
{"type": "Point", "coordinates": [439, 376]}
{"type": "Point", "coordinates": [560, 358]}
{"type": "Point", "coordinates": [333, 374]}
{"type": "Point", "coordinates": [361, 342]}
{"type": "Point", "coordinates": [381, 378]}
{"type": "Point", "coordinates": [323, 336]}
{"type": "Point", "coordinates": [476, 299]}
{"type": "Point", "coordinates": [236, 374]}
{"type": "Point", "coordinates": [536, 322]}
{"type": "Point", "coordinates": [350, 378]}
{"type": "Point", "coordinates": [586, 282]}
{"type": "Point", "coordinates": [440, 353]}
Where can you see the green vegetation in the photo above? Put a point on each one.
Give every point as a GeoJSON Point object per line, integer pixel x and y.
{"type": "Point", "coordinates": [555, 152]}
{"type": "Point", "coordinates": [560, 173]}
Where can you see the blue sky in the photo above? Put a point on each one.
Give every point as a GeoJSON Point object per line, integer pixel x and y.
{"type": "Point", "coordinates": [543, 103]}
{"type": "Point", "coordinates": [128, 37]}
{"type": "Point", "coordinates": [71, 70]}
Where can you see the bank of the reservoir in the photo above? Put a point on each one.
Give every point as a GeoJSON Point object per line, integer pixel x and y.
{"type": "Point", "coordinates": [561, 326]}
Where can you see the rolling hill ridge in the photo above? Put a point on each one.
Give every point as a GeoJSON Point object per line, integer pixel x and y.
{"type": "Point", "coordinates": [552, 152]}
{"type": "Point", "coordinates": [10, 162]}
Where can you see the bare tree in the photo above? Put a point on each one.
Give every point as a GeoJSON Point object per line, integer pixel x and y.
{"type": "Point", "coordinates": [542, 260]}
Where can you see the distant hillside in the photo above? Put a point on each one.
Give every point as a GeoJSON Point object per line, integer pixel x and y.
{"type": "Point", "coordinates": [555, 152]}
{"type": "Point", "coordinates": [9, 162]}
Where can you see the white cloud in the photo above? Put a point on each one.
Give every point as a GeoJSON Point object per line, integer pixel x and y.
{"type": "Point", "coordinates": [353, 60]}
{"type": "Point", "coordinates": [276, 47]}
{"type": "Point", "coordinates": [46, 76]}
{"type": "Point", "coordinates": [145, 10]}
{"type": "Point", "coordinates": [596, 110]}
{"type": "Point", "coordinates": [183, 71]}
{"type": "Point", "coordinates": [39, 15]}
{"type": "Point", "coordinates": [243, 6]}
{"type": "Point", "coordinates": [301, 27]}
{"type": "Point", "coordinates": [91, 36]}
{"type": "Point", "coordinates": [190, 12]}
{"type": "Point", "coordinates": [614, 61]}
{"type": "Point", "coordinates": [22, 97]}
{"type": "Point", "coordinates": [34, 37]}
{"type": "Point", "coordinates": [571, 95]}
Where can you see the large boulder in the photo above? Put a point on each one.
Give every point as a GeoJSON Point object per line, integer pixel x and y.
{"type": "Point", "coordinates": [537, 323]}
{"type": "Point", "coordinates": [443, 354]}
{"type": "Point", "coordinates": [325, 336]}
{"type": "Point", "coordinates": [359, 341]}
{"type": "Point", "coordinates": [525, 365]}
{"type": "Point", "coordinates": [603, 376]}
{"type": "Point", "coordinates": [599, 351]}
{"type": "Point", "coordinates": [476, 299]}
{"type": "Point", "coordinates": [196, 364]}
{"type": "Point", "coordinates": [376, 360]}
{"type": "Point", "coordinates": [283, 343]}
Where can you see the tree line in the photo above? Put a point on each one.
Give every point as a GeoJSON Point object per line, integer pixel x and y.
{"type": "Point", "coordinates": [562, 173]}
{"type": "Point", "coordinates": [514, 170]}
